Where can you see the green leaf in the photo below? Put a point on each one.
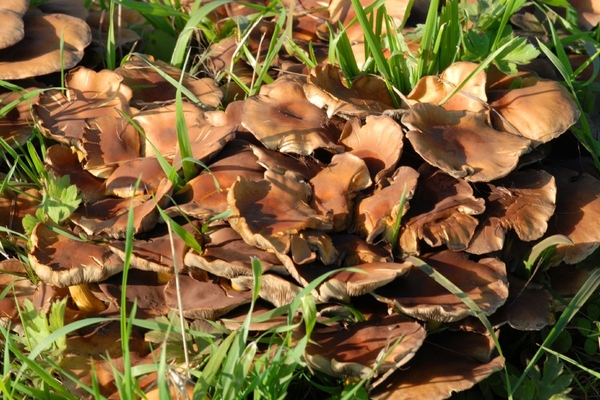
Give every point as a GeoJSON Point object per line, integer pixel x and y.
{"type": "Point", "coordinates": [61, 198]}
{"type": "Point", "coordinates": [552, 382]}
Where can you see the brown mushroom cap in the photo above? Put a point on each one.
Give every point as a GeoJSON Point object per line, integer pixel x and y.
{"type": "Point", "coordinates": [335, 187]}
{"type": "Point", "coordinates": [378, 142]}
{"type": "Point", "coordinates": [62, 261]}
{"type": "Point", "coordinates": [282, 118]}
{"type": "Point", "coordinates": [539, 110]}
{"type": "Point", "coordinates": [266, 212]}
{"type": "Point", "coordinates": [367, 95]}
{"type": "Point", "coordinates": [355, 351]}
{"type": "Point", "coordinates": [38, 53]}
{"type": "Point", "coordinates": [523, 201]}
{"type": "Point", "coordinates": [472, 96]}
{"type": "Point", "coordinates": [122, 180]}
{"type": "Point", "coordinates": [446, 363]}
{"type": "Point", "coordinates": [12, 29]}
{"type": "Point", "coordinates": [13, 275]}
{"type": "Point", "coordinates": [16, 126]}
{"type": "Point", "coordinates": [419, 296]}
{"type": "Point", "coordinates": [441, 213]}
{"type": "Point", "coordinates": [461, 144]}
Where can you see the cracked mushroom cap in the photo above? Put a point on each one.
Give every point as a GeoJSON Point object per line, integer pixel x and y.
{"type": "Point", "coordinates": [441, 213]}
{"type": "Point", "coordinates": [266, 212]}
{"type": "Point", "coordinates": [283, 119]}
{"type": "Point", "coordinates": [419, 296]}
{"type": "Point", "coordinates": [367, 95]}
{"type": "Point", "coordinates": [445, 363]}
{"type": "Point", "coordinates": [61, 261]}
{"type": "Point", "coordinates": [538, 110]}
{"type": "Point", "coordinates": [355, 351]}
{"type": "Point", "coordinates": [335, 187]}
{"type": "Point", "coordinates": [378, 142]}
{"type": "Point", "coordinates": [461, 144]}
{"type": "Point", "coordinates": [523, 201]}
{"type": "Point", "coordinates": [471, 97]}
{"type": "Point", "coordinates": [39, 51]}
{"type": "Point", "coordinates": [378, 213]}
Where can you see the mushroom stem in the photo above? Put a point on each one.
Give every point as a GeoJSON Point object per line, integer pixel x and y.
{"type": "Point", "coordinates": [85, 299]}
{"type": "Point", "coordinates": [164, 277]}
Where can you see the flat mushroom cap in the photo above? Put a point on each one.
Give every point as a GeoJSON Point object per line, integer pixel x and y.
{"type": "Point", "coordinates": [471, 97]}
{"type": "Point", "coordinates": [354, 352]}
{"type": "Point", "coordinates": [39, 52]}
{"type": "Point", "coordinates": [576, 216]}
{"type": "Point", "coordinates": [446, 363]}
{"type": "Point", "coordinates": [12, 28]}
{"type": "Point", "coordinates": [367, 95]}
{"type": "Point", "coordinates": [419, 296]}
{"type": "Point", "coordinates": [378, 142]}
{"type": "Point", "coordinates": [283, 119]}
{"type": "Point", "coordinates": [539, 110]}
{"type": "Point", "coordinates": [335, 187]}
{"type": "Point", "coordinates": [266, 212]}
{"type": "Point", "coordinates": [461, 144]}
{"type": "Point", "coordinates": [523, 201]}
{"type": "Point", "coordinates": [61, 261]}
{"type": "Point", "coordinates": [206, 299]}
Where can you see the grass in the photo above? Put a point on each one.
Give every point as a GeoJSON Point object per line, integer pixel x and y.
{"type": "Point", "coordinates": [235, 364]}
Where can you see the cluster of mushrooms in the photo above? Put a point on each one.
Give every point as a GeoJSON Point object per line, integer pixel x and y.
{"type": "Point", "coordinates": [314, 174]}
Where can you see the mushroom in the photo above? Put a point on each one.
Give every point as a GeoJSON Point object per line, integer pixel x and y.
{"type": "Point", "coordinates": [122, 180]}
{"type": "Point", "coordinates": [461, 143]}
{"type": "Point", "coordinates": [283, 119]}
{"type": "Point", "coordinates": [51, 42]}
{"type": "Point", "coordinates": [378, 142]}
{"type": "Point", "coordinates": [335, 187]}
{"type": "Point", "coordinates": [523, 201]}
{"type": "Point", "coordinates": [13, 277]}
{"type": "Point", "coordinates": [364, 349]}
{"type": "Point", "coordinates": [16, 125]}
{"type": "Point", "coordinates": [442, 212]}
{"type": "Point", "coordinates": [12, 28]}
{"type": "Point", "coordinates": [539, 110]}
{"type": "Point", "coordinates": [419, 296]}
{"type": "Point", "coordinates": [367, 95]}
{"type": "Point", "coordinates": [445, 363]}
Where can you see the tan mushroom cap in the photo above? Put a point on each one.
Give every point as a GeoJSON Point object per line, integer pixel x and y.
{"type": "Point", "coordinates": [149, 86]}
{"type": "Point", "coordinates": [367, 95]}
{"type": "Point", "coordinates": [441, 213]}
{"type": "Point", "coordinates": [225, 254]}
{"type": "Point", "coordinates": [109, 216]}
{"type": "Point", "coordinates": [446, 363]}
{"type": "Point", "coordinates": [303, 167]}
{"type": "Point", "coordinates": [16, 126]}
{"type": "Point", "coordinates": [13, 274]}
{"type": "Point", "coordinates": [107, 142]}
{"type": "Point", "coordinates": [62, 161]}
{"type": "Point", "coordinates": [523, 201]}
{"type": "Point", "coordinates": [14, 207]}
{"type": "Point", "coordinates": [61, 261]}
{"type": "Point", "coordinates": [461, 143]}
{"type": "Point", "coordinates": [121, 182]}
{"type": "Point", "coordinates": [539, 110]}
{"type": "Point", "coordinates": [378, 213]}
{"type": "Point", "coordinates": [355, 251]}
{"type": "Point", "coordinates": [90, 94]}
{"type": "Point", "coordinates": [273, 288]}
{"type": "Point", "coordinates": [18, 6]}
{"type": "Point", "coordinates": [354, 352]}
{"type": "Point", "coordinates": [283, 119]}
{"type": "Point", "coordinates": [576, 215]}
{"type": "Point", "coordinates": [471, 97]}
{"type": "Point", "coordinates": [378, 142]}
{"type": "Point", "coordinates": [335, 187]}
{"type": "Point", "coordinates": [206, 299]}
{"type": "Point", "coordinates": [419, 296]}
{"type": "Point", "coordinates": [39, 53]}
{"type": "Point", "coordinates": [205, 141]}
{"type": "Point", "coordinates": [12, 29]}
{"type": "Point", "coordinates": [266, 212]}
